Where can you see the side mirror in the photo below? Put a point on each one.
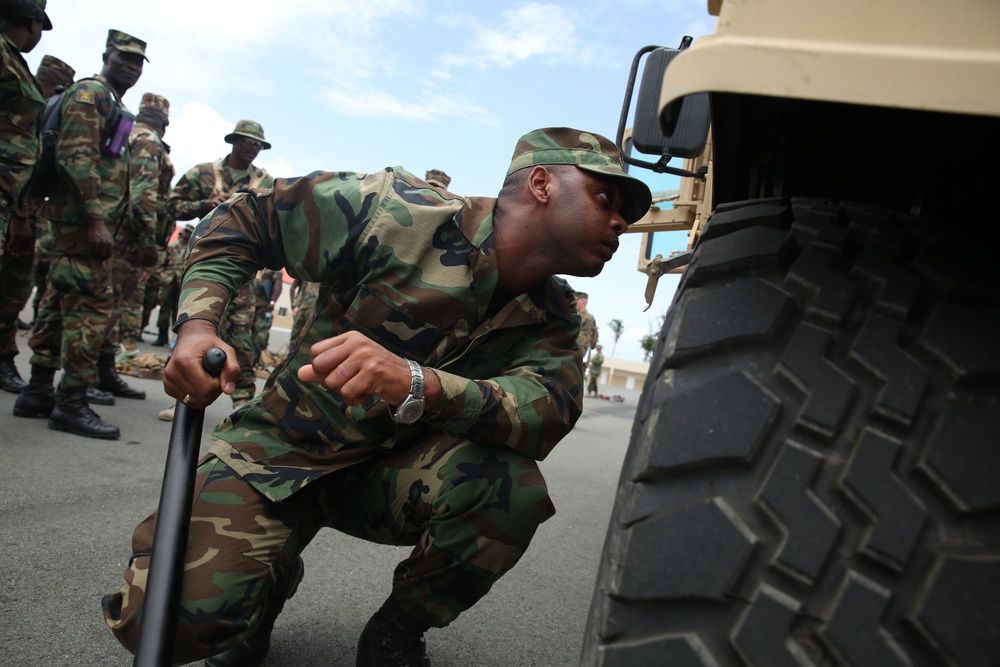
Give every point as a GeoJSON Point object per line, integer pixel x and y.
{"type": "Point", "coordinates": [686, 133]}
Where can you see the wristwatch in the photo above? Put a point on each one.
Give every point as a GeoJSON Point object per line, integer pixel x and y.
{"type": "Point", "coordinates": [412, 406]}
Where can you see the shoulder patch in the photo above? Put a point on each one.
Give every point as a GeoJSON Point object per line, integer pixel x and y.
{"type": "Point", "coordinates": [85, 96]}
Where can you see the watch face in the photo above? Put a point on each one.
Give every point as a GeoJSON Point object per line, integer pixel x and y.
{"type": "Point", "coordinates": [410, 411]}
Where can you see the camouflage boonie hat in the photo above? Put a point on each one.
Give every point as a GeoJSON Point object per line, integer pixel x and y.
{"type": "Point", "coordinates": [438, 178]}
{"type": "Point", "coordinates": [53, 63]}
{"type": "Point", "coordinates": [155, 103]}
{"type": "Point", "coordinates": [588, 151]}
{"type": "Point", "coordinates": [249, 129]}
{"type": "Point", "coordinates": [126, 42]}
{"type": "Point", "coordinates": [32, 9]}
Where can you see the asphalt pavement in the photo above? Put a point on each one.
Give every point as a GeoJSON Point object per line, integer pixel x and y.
{"type": "Point", "coordinates": [68, 506]}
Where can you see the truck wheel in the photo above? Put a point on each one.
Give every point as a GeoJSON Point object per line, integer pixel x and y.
{"type": "Point", "coordinates": [814, 471]}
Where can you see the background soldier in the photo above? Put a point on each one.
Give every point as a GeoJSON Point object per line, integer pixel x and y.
{"type": "Point", "coordinates": [21, 101]}
{"type": "Point", "coordinates": [150, 174]}
{"type": "Point", "coordinates": [438, 178]}
{"type": "Point", "coordinates": [267, 289]}
{"type": "Point", "coordinates": [86, 204]}
{"type": "Point", "coordinates": [53, 76]}
{"type": "Point", "coordinates": [588, 326]}
{"type": "Point", "coordinates": [200, 190]}
{"type": "Point", "coordinates": [594, 372]}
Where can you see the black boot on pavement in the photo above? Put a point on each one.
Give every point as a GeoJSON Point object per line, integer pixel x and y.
{"type": "Point", "coordinates": [73, 415]}
{"type": "Point", "coordinates": [252, 651]}
{"type": "Point", "coordinates": [109, 380]}
{"type": "Point", "coordinates": [38, 398]}
{"type": "Point", "coordinates": [392, 639]}
{"type": "Point", "coordinates": [10, 379]}
{"type": "Point", "coordinates": [162, 339]}
{"type": "Point", "coordinates": [97, 397]}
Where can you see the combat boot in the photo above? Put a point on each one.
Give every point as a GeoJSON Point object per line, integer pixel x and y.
{"type": "Point", "coordinates": [162, 339]}
{"type": "Point", "coordinates": [392, 639]}
{"type": "Point", "coordinates": [97, 397]}
{"type": "Point", "coordinates": [130, 346]}
{"type": "Point", "coordinates": [38, 398]}
{"type": "Point", "coordinates": [73, 415]}
{"type": "Point", "coordinates": [10, 379]}
{"type": "Point", "coordinates": [252, 651]}
{"type": "Point", "coordinates": [109, 380]}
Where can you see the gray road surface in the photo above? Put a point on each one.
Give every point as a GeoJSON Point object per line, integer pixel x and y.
{"type": "Point", "coordinates": [68, 506]}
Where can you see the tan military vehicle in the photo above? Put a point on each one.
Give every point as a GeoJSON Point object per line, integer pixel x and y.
{"type": "Point", "coordinates": [814, 472]}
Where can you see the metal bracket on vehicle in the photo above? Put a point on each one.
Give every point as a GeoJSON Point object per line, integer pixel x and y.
{"type": "Point", "coordinates": [658, 266]}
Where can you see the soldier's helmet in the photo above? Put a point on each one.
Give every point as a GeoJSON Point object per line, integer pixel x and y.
{"type": "Point", "coordinates": [126, 43]}
{"type": "Point", "coordinates": [249, 129]}
{"type": "Point", "coordinates": [31, 9]}
{"type": "Point", "coordinates": [438, 178]}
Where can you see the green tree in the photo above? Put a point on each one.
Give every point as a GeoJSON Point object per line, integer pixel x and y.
{"type": "Point", "coordinates": [648, 341]}
{"type": "Point", "coordinates": [617, 328]}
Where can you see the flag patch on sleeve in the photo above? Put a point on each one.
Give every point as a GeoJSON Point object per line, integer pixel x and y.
{"type": "Point", "coordinates": [85, 96]}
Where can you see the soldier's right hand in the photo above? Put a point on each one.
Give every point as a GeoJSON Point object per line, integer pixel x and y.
{"type": "Point", "coordinates": [99, 239]}
{"type": "Point", "coordinates": [185, 375]}
{"type": "Point", "coordinates": [213, 202]}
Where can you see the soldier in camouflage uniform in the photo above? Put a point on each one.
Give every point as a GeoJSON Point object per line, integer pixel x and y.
{"type": "Point", "coordinates": [86, 205]}
{"type": "Point", "coordinates": [304, 296]}
{"type": "Point", "coordinates": [417, 282]}
{"type": "Point", "coordinates": [53, 76]}
{"type": "Point", "coordinates": [171, 271]}
{"type": "Point", "coordinates": [587, 339]}
{"type": "Point", "coordinates": [21, 103]}
{"type": "Point", "coordinates": [150, 175]}
{"type": "Point", "coordinates": [267, 288]}
{"type": "Point", "coordinates": [200, 190]}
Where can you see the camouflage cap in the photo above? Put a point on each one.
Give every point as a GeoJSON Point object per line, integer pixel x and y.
{"type": "Point", "coordinates": [438, 178]}
{"type": "Point", "coordinates": [155, 103]}
{"type": "Point", "coordinates": [32, 9]}
{"type": "Point", "coordinates": [588, 151]}
{"type": "Point", "coordinates": [53, 63]}
{"type": "Point", "coordinates": [249, 129]}
{"type": "Point", "coordinates": [126, 42]}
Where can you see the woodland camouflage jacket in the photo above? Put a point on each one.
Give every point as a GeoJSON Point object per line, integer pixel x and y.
{"type": "Point", "coordinates": [150, 174]}
{"type": "Point", "coordinates": [92, 186]}
{"type": "Point", "coordinates": [21, 105]}
{"type": "Point", "coordinates": [413, 268]}
{"type": "Point", "coordinates": [206, 180]}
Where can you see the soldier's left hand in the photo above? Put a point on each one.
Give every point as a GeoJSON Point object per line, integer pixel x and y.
{"type": "Point", "coordinates": [357, 367]}
{"type": "Point", "coordinates": [99, 240]}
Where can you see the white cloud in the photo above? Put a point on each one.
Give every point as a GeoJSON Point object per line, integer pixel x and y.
{"type": "Point", "coordinates": [370, 103]}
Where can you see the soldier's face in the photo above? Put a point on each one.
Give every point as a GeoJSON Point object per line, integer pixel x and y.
{"type": "Point", "coordinates": [587, 221]}
{"type": "Point", "coordinates": [246, 149]}
{"type": "Point", "coordinates": [34, 36]}
{"type": "Point", "coordinates": [122, 69]}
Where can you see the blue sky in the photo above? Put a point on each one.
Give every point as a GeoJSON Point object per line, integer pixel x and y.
{"type": "Point", "coordinates": [362, 85]}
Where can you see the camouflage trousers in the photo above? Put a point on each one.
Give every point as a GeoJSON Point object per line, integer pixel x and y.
{"type": "Point", "coordinates": [236, 329]}
{"type": "Point", "coordinates": [469, 510]}
{"type": "Point", "coordinates": [73, 315]}
{"type": "Point", "coordinates": [15, 290]}
{"type": "Point", "coordinates": [169, 294]}
{"type": "Point", "coordinates": [126, 269]}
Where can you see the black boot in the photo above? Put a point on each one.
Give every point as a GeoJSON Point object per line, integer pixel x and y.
{"type": "Point", "coordinates": [97, 397]}
{"type": "Point", "coordinates": [392, 639]}
{"type": "Point", "coordinates": [38, 398]}
{"type": "Point", "coordinates": [10, 379]}
{"type": "Point", "coordinates": [109, 380]}
{"type": "Point", "coordinates": [72, 414]}
{"type": "Point", "coordinates": [162, 339]}
{"type": "Point", "coordinates": [252, 651]}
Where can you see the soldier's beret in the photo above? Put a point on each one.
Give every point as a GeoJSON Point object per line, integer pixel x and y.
{"type": "Point", "coordinates": [155, 103]}
{"type": "Point", "coordinates": [588, 151]}
{"type": "Point", "coordinates": [438, 178]}
{"type": "Point", "coordinates": [53, 63]}
{"type": "Point", "coordinates": [126, 42]}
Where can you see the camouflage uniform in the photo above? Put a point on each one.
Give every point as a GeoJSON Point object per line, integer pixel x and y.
{"type": "Point", "coordinates": [187, 201]}
{"type": "Point", "coordinates": [305, 301]}
{"type": "Point", "coordinates": [171, 271]}
{"type": "Point", "coordinates": [412, 269]}
{"type": "Point", "coordinates": [588, 331]}
{"type": "Point", "coordinates": [594, 372]}
{"type": "Point", "coordinates": [150, 174]}
{"type": "Point", "coordinates": [267, 285]}
{"type": "Point", "coordinates": [79, 297]}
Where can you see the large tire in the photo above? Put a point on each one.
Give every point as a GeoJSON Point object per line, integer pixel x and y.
{"type": "Point", "coordinates": [814, 471]}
